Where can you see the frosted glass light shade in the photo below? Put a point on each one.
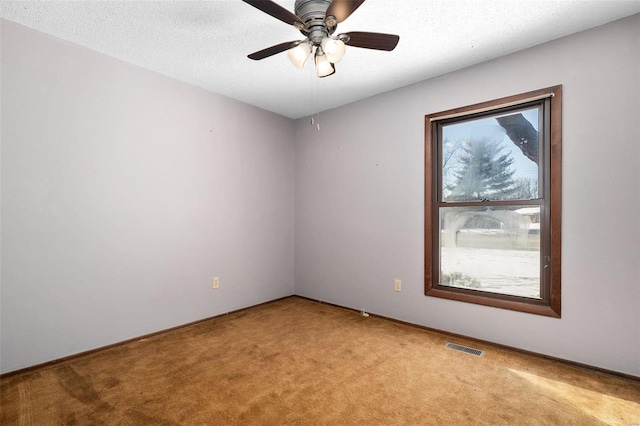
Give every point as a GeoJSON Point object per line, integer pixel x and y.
{"type": "Point", "coordinates": [299, 54]}
{"type": "Point", "coordinates": [324, 67]}
{"type": "Point", "coordinates": [333, 48]}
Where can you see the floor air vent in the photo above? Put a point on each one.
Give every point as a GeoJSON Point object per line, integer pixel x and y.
{"type": "Point", "coordinates": [472, 351]}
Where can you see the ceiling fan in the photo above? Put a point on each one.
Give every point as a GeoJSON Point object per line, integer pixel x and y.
{"type": "Point", "coordinates": [317, 20]}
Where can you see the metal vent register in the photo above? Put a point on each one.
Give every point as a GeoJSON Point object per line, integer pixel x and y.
{"type": "Point", "coordinates": [472, 351]}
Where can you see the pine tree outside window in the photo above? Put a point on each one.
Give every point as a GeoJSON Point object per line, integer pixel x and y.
{"type": "Point", "coordinates": [492, 203]}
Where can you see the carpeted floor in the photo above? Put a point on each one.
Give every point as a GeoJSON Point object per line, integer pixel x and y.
{"type": "Point", "coordinates": [295, 361]}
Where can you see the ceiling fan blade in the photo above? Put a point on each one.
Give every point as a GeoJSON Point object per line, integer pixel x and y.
{"type": "Point", "coordinates": [342, 9]}
{"type": "Point", "coordinates": [377, 41]}
{"type": "Point", "coordinates": [270, 51]}
{"type": "Point", "coordinates": [277, 11]}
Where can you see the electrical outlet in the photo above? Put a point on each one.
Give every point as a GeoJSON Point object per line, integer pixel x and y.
{"type": "Point", "coordinates": [397, 285]}
{"type": "Point", "coordinates": [216, 282]}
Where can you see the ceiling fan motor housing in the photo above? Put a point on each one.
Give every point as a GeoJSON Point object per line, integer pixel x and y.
{"type": "Point", "coordinates": [313, 12]}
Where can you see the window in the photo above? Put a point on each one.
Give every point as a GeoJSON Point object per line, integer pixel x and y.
{"type": "Point", "coordinates": [493, 203]}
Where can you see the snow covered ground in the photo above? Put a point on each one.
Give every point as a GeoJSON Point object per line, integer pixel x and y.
{"type": "Point", "coordinates": [513, 272]}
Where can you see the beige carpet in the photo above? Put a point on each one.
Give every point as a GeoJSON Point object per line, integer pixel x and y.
{"type": "Point", "coordinates": [295, 361]}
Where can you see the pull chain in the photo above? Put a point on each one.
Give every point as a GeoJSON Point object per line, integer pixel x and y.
{"type": "Point", "coordinates": [318, 104]}
{"type": "Point", "coordinates": [315, 116]}
{"type": "Point", "coordinates": [317, 79]}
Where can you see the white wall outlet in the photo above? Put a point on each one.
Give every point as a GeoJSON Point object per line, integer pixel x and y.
{"type": "Point", "coordinates": [216, 282]}
{"type": "Point", "coordinates": [397, 285]}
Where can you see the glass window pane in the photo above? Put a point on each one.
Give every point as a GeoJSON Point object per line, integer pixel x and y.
{"type": "Point", "coordinates": [493, 249]}
{"type": "Point", "coordinates": [492, 158]}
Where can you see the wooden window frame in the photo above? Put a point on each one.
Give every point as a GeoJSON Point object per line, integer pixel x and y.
{"type": "Point", "coordinates": [549, 303]}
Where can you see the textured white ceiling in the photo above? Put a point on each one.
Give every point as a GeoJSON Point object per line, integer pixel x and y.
{"type": "Point", "coordinates": [206, 43]}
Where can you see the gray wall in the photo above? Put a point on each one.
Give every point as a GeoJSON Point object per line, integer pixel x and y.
{"type": "Point", "coordinates": [123, 193]}
{"type": "Point", "coordinates": [359, 200]}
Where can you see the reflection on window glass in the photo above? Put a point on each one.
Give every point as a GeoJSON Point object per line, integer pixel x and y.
{"type": "Point", "coordinates": [493, 249]}
{"type": "Point", "coordinates": [481, 162]}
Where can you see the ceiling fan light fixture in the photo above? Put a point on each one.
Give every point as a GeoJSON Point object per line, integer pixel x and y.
{"type": "Point", "coordinates": [324, 67]}
{"type": "Point", "coordinates": [334, 48]}
{"type": "Point", "coordinates": [299, 54]}
{"type": "Point", "coordinates": [317, 20]}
